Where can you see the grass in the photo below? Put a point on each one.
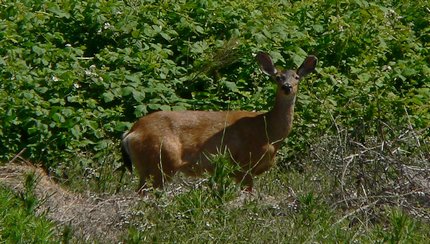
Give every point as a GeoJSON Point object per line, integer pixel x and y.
{"type": "Point", "coordinates": [19, 222]}
{"type": "Point", "coordinates": [306, 216]}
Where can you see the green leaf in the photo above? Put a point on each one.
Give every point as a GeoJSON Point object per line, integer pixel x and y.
{"type": "Point", "coordinates": [231, 86]}
{"type": "Point", "coordinates": [42, 90]}
{"type": "Point", "coordinates": [135, 33]}
{"type": "Point", "coordinates": [318, 28]}
{"type": "Point", "coordinates": [58, 12]}
{"type": "Point", "coordinates": [140, 110]}
{"type": "Point", "coordinates": [122, 126]}
{"type": "Point", "coordinates": [134, 78]}
{"type": "Point", "coordinates": [138, 96]}
{"type": "Point", "coordinates": [76, 131]}
{"type": "Point", "coordinates": [68, 112]}
{"type": "Point", "coordinates": [125, 91]}
{"type": "Point", "coordinates": [38, 50]}
{"type": "Point", "coordinates": [100, 145]}
{"type": "Point", "coordinates": [108, 97]}
{"type": "Point", "coordinates": [57, 117]}
{"type": "Point", "coordinates": [165, 36]}
{"type": "Point", "coordinates": [199, 29]}
{"type": "Point", "coordinates": [165, 108]}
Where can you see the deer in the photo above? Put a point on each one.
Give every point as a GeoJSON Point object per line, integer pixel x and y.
{"type": "Point", "coordinates": [163, 143]}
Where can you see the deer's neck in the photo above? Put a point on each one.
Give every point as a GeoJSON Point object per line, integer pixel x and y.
{"type": "Point", "coordinates": [280, 118]}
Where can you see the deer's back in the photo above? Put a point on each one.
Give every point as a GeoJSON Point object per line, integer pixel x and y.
{"type": "Point", "coordinates": [197, 134]}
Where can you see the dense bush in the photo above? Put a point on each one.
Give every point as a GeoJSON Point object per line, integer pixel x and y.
{"type": "Point", "coordinates": [75, 74]}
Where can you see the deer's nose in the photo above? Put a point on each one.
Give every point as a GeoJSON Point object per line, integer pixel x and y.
{"type": "Point", "coordinates": [287, 88]}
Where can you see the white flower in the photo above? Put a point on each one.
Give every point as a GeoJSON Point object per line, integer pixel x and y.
{"type": "Point", "coordinates": [106, 26]}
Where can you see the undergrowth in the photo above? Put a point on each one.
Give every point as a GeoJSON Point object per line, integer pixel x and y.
{"type": "Point", "coordinates": [19, 222]}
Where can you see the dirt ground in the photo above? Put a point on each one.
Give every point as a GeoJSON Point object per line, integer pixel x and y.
{"type": "Point", "coordinates": [90, 216]}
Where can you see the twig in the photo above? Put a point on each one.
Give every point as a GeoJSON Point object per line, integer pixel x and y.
{"type": "Point", "coordinates": [342, 179]}
{"type": "Point", "coordinates": [356, 211]}
{"type": "Point", "coordinates": [411, 128]}
{"type": "Point", "coordinates": [18, 155]}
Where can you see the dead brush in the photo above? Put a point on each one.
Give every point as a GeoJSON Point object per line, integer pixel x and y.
{"type": "Point", "coordinates": [378, 172]}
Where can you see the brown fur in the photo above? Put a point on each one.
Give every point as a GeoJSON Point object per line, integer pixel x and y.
{"type": "Point", "coordinates": [163, 143]}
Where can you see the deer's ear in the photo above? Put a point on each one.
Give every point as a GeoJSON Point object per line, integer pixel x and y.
{"type": "Point", "coordinates": [307, 66]}
{"type": "Point", "coordinates": [266, 64]}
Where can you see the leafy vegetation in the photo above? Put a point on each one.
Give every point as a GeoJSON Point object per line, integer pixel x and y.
{"type": "Point", "coordinates": [74, 75]}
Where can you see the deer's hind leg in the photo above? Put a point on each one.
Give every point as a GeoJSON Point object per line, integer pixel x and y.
{"type": "Point", "coordinates": [158, 164]}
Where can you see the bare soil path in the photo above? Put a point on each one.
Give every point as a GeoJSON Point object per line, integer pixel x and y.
{"type": "Point", "coordinates": [90, 216]}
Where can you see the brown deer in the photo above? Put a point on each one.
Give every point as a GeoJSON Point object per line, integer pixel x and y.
{"type": "Point", "coordinates": [165, 142]}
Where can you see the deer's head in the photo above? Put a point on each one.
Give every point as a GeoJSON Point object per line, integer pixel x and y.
{"type": "Point", "coordinates": [287, 80]}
